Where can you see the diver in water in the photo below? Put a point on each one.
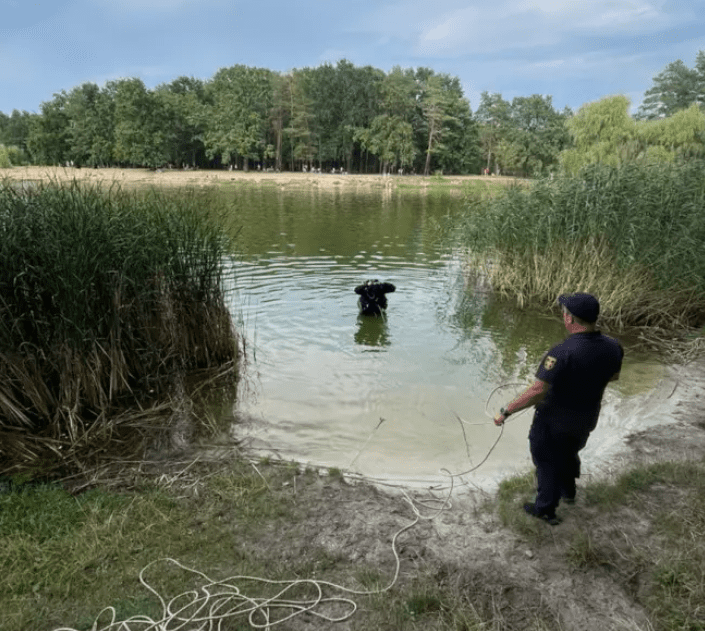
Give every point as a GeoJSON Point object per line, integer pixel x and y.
{"type": "Point", "coordinates": [372, 301]}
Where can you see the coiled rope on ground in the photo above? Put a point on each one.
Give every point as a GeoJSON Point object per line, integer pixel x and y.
{"type": "Point", "coordinates": [214, 602]}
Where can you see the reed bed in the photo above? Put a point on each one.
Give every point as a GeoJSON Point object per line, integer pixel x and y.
{"type": "Point", "coordinates": [633, 235]}
{"type": "Point", "coordinates": [108, 301]}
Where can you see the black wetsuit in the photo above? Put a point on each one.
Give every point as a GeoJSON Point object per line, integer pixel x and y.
{"type": "Point", "coordinates": [372, 299]}
{"type": "Point", "coordinates": [577, 371]}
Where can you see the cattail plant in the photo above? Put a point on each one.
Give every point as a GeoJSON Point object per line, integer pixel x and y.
{"type": "Point", "coordinates": [107, 300]}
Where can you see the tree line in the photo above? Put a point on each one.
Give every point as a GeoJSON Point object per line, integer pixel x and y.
{"type": "Point", "coordinates": [342, 117]}
{"type": "Point", "coordinates": [348, 118]}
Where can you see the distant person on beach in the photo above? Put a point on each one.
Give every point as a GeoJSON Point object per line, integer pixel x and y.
{"type": "Point", "coordinates": [567, 393]}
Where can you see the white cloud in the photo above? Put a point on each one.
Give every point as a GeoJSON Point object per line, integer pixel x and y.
{"type": "Point", "coordinates": [486, 27]}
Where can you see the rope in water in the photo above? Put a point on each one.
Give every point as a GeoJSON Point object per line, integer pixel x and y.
{"type": "Point", "coordinates": [216, 601]}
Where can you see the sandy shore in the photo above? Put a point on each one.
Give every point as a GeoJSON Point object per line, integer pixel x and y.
{"type": "Point", "coordinates": [198, 178]}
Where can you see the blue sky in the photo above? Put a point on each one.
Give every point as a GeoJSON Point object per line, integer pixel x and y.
{"type": "Point", "coordinates": [574, 50]}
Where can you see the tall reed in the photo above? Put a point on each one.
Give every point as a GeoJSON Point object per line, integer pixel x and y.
{"type": "Point", "coordinates": [105, 297]}
{"type": "Point", "coordinates": [634, 235]}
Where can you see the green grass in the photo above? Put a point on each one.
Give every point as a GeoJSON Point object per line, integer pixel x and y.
{"type": "Point", "coordinates": [65, 558]}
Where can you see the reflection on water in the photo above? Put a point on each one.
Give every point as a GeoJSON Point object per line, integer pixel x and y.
{"type": "Point", "coordinates": [324, 376]}
{"type": "Point", "coordinates": [372, 332]}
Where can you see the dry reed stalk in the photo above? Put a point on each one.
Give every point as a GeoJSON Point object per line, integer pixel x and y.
{"type": "Point", "coordinates": [626, 296]}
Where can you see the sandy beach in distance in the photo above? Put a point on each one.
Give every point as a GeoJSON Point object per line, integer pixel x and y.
{"type": "Point", "coordinates": [198, 178]}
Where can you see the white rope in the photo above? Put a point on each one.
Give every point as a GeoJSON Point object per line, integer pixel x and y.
{"type": "Point", "coordinates": [216, 601]}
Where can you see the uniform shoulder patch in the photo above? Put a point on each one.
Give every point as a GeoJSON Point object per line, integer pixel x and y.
{"type": "Point", "coordinates": [549, 362]}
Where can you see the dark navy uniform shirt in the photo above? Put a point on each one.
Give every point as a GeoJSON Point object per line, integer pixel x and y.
{"type": "Point", "coordinates": [577, 371]}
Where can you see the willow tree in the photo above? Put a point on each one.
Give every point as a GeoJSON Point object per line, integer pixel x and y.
{"type": "Point", "coordinates": [602, 132]}
{"type": "Point", "coordinates": [679, 136]}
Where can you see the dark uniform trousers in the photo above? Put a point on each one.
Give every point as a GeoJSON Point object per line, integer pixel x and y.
{"type": "Point", "coordinates": [555, 456]}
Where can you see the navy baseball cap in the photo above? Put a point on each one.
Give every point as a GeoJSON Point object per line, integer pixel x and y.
{"type": "Point", "coordinates": [583, 306]}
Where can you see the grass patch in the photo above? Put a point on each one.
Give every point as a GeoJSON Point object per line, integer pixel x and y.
{"type": "Point", "coordinates": [512, 494]}
{"type": "Point", "coordinates": [64, 559]}
{"type": "Point", "coordinates": [609, 493]}
{"type": "Point", "coordinates": [646, 527]}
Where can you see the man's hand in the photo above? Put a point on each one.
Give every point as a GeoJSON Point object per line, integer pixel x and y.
{"type": "Point", "coordinates": [499, 420]}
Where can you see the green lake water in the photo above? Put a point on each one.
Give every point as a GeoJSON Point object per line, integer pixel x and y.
{"type": "Point", "coordinates": [385, 398]}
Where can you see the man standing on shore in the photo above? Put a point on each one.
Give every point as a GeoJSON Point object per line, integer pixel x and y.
{"type": "Point", "coordinates": [567, 393]}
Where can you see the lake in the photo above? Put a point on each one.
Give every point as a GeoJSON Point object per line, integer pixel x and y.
{"type": "Point", "coordinates": [402, 398]}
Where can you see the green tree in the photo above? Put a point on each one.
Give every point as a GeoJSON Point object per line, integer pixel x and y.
{"type": "Point", "coordinates": [602, 132]}
{"type": "Point", "coordinates": [241, 101]}
{"type": "Point", "coordinates": [460, 151]}
{"type": "Point", "coordinates": [494, 116]}
{"type": "Point", "coordinates": [182, 103]}
{"type": "Point", "coordinates": [400, 93]}
{"type": "Point", "coordinates": [48, 141]}
{"type": "Point", "coordinates": [675, 88]}
{"type": "Point", "coordinates": [680, 136]}
{"type": "Point", "coordinates": [15, 129]}
{"type": "Point", "coordinates": [700, 70]}
{"type": "Point", "coordinates": [389, 138]}
{"type": "Point", "coordinates": [91, 132]}
{"type": "Point", "coordinates": [538, 135]}
{"type": "Point", "coordinates": [278, 114]}
{"type": "Point", "coordinates": [344, 98]}
{"type": "Point", "coordinates": [362, 90]}
{"type": "Point", "coordinates": [4, 124]}
{"type": "Point", "coordinates": [437, 104]}
{"type": "Point", "coordinates": [140, 135]}
{"type": "Point", "coordinates": [299, 113]}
